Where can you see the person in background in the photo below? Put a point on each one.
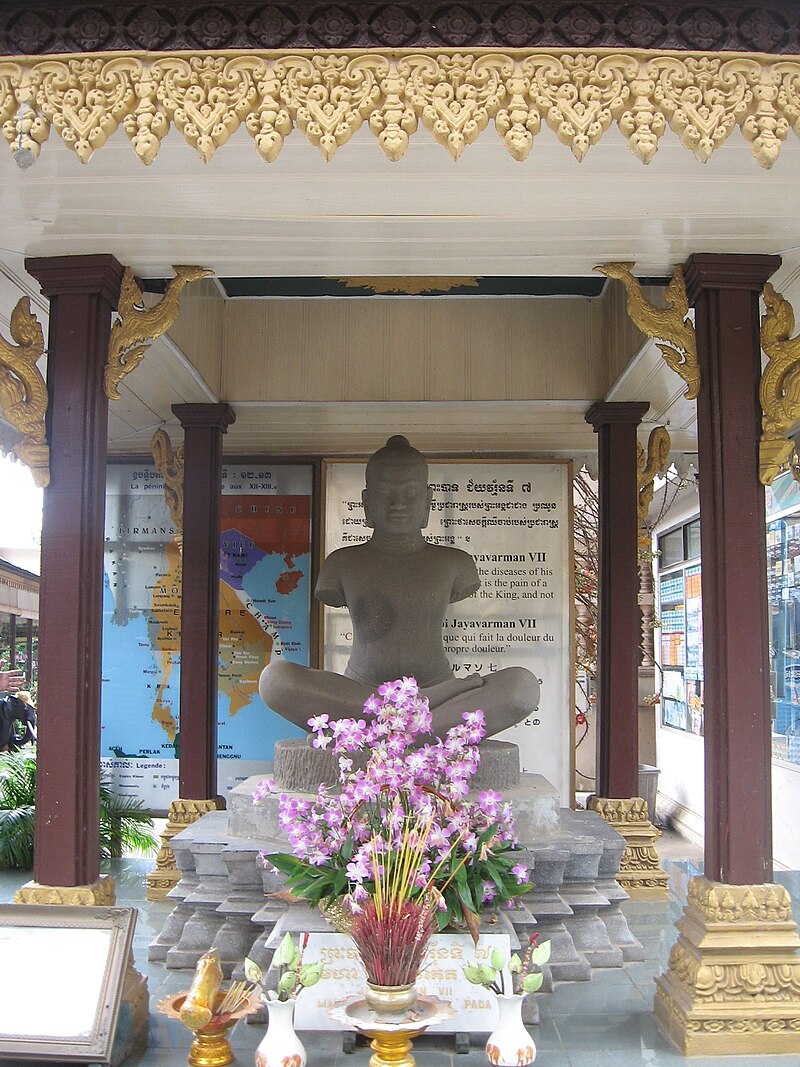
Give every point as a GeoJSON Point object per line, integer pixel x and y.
{"type": "Point", "coordinates": [11, 681]}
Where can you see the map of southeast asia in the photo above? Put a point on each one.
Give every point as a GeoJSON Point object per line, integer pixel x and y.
{"type": "Point", "coordinates": [264, 611]}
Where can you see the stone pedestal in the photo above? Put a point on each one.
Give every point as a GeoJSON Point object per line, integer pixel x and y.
{"type": "Point", "coordinates": [733, 982]}
{"type": "Point", "coordinates": [227, 900]}
{"type": "Point", "coordinates": [101, 893]}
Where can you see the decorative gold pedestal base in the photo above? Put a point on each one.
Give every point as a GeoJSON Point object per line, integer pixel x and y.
{"type": "Point", "coordinates": [393, 1049]}
{"type": "Point", "coordinates": [101, 893]}
{"type": "Point", "coordinates": [182, 813]}
{"type": "Point", "coordinates": [210, 1050]}
{"type": "Point", "coordinates": [733, 982]}
{"type": "Point", "coordinates": [640, 873]}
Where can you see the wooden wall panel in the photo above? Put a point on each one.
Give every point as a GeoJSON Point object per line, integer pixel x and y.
{"type": "Point", "coordinates": [198, 330]}
{"type": "Point", "coordinates": [423, 349]}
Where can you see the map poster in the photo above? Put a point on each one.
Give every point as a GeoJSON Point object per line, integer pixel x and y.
{"type": "Point", "coordinates": [515, 519]}
{"type": "Point", "coordinates": [265, 597]}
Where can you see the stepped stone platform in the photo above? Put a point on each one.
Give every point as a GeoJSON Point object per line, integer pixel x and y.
{"type": "Point", "coordinates": [224, 897]}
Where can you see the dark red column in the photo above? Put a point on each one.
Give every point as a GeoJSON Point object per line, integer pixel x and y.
{"type": "Point", "coordinates": [618, 622]}
{"type": "Point", "coordinates": [724, 290]}
{"type": "Point", "coordinates": [204, 426]}
{"type": "Point", "coordinates": [83, 292]}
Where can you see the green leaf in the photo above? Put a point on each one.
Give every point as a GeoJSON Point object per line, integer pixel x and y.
{"type": "Point", "coordinates": [310, 974]}
{"type": "Point", "coordinates": [284, 863]}
{"type": "Point", "coordinates": [541, 954]}
{"type": "Point", "coordinates": [339, 883]}
{"type": "Point", "coordinates": [285, 952]}
{"type": "Point", "coordinates": [532, 982]}
{"type": "Point", "coordinates": [252, 971]}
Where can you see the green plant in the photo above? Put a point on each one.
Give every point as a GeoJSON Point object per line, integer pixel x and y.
{"type": "Point", "coordinates": [293, 974]}
{"type": "Point", "coordinates": [124, 823]}
{"type": "Point", "coordinates": [524, 979]}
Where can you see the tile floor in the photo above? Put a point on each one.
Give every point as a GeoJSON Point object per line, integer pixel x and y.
{"type": "Point", "coordinates": [604, 1023]}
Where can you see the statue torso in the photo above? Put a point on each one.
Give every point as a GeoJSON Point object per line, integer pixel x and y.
{"type": "Point", "coordinates": [397, 604]}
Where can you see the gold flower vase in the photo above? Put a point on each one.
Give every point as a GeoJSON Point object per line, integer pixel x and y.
{"type": "Point", "coordinates": [390, 1001]}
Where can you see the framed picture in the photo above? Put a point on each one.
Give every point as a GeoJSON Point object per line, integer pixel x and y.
{"type": "Point", "coordinates": [61, 981]}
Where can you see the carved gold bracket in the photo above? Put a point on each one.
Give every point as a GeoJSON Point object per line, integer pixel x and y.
{"type": "Point", "coordinates": [669, 327]}
{"type": "Point", "coordinates": [732, 986]}
{"type": "Point", "coordinates": [23, 391]}
{"type": "Point", "coordinates": [138, 326]}
{"type": "Point", "coordinates": [779, 392]}
{"type": "Point", "coordinates": [648, 466]}
{"type": "Point", "coordinates": [169, 465]}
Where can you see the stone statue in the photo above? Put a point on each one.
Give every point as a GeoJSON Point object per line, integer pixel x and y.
{"type": "Point", "coordinates": [397, 587]}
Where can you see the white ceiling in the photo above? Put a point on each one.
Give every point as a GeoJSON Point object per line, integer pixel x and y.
{"type": "Point", "coordinates": [362, 215]}
{"type": "Point", "coordinates": [425, 215]}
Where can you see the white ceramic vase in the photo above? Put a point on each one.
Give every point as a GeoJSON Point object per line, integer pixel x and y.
{"type": "Point", "coordinates": [280, 1046]}
{"type": "Point", "coordinates": [510, 1044]}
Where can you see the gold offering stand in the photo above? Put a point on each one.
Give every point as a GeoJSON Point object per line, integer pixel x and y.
{"type": "Point", "coordinates": [391, 1038]}
{"type": "Point", "coordinates": [210, 1047]}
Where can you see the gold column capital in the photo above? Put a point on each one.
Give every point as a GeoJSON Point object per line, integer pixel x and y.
{"type": "Point", "coordinates": [732, 986]}
{"type": "Point", "coordinates": [640, 873]}
{"type": "Point", "coordinates": [165, 876]}
{"type": "Point", "coordinates": [101, 893]}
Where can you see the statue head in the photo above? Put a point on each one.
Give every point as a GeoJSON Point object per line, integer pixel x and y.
{"type": "Point", "coordinates": [397, 500]}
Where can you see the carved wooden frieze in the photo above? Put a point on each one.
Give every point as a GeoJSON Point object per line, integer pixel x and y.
{"type": "Point", "coordinates": [726, 25]}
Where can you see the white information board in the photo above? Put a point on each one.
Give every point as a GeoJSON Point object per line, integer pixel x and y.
{"type": "Point", "coordinates": [343, 978]}
{"type": "Point", "coordinates": [515, 520]}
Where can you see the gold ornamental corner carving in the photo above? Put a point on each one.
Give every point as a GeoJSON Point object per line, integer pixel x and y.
{"type": "Point", "coordinates": [455, 95]}
{"type": "Point", "coordinates": [410, 286]}
{"type": "Point", "coordinates": [169, 464]}
{"type": "Point", "coordinates": [640, 873]}
{"type": "Point", "coordinates": [669, 326]}
{"type": "Point", "coordinates": [101, 893]}
{"type": "Point", "coordinates": [23, 391]}
{"type": "Point", "coordinates": [165, 876]}
{"type": "Point", "coordinates": [138, 326]}
{"type": "Point", "coordinates": [732, 985]}
{"type": "Point", "coordinates": [779, 392]}
{"type": "Point", "coordinates": [649, 465]}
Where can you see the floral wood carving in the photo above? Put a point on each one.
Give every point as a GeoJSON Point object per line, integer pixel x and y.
{"type": "Point", "coordinates": [649, 465]}
{"type": "Point", "coordinates": [23, 391]}
{"type": "Point", "coordinates": [455, 94]}
{"type": "Point", "coordinates": [779, 392]}
{"type": "Point", "coordinates": [169, 464]}
{"type": "Point", "coordinates": [670, 326]}
{"type": "Point", "coordinates": [138, 326]}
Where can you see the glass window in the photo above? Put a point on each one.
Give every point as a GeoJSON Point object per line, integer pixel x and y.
{"type": "Point", "coordinates": [670, 545]}
{"type": "Point", "coordinates": [693, 539]}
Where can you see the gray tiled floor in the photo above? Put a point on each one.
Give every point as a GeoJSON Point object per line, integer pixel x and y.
{"type": "Point", "coordinates": [604, 1023]}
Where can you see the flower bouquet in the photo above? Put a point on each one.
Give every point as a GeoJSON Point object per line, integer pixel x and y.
{"type": "Point", "coordinates": [396, 849]}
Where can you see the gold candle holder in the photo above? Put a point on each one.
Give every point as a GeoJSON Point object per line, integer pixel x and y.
{"type": "Point", "coordinates": [210, 1047]}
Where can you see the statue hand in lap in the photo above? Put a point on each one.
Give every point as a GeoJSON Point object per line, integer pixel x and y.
{"type": "Point", "coordinates": [398, 587]}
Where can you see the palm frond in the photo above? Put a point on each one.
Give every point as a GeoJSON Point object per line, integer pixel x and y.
{"type": "Point", "coordinates": [16, 838]}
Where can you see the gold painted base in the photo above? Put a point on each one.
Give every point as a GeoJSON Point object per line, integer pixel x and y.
{"type": "Point", "coordinates": [732, 986]}
{"type": "Point", "coordinates": [165, 876]}
{"type": "Point", "coordinates": [210, 1050]}
{"type": "Point", "coordinates": [640, 873]}
{"type": "Point", "coordinates": [101, 893]}
{"type": "Point", "coordinates": [392, 1049]}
